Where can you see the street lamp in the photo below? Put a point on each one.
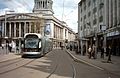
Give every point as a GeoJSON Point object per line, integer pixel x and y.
{"type": "Point", "coordinates": [6, 38]}
{"type": "Point", "coordinates": [103, 28]}
{"type": "Point", "coordinates": [6, 43]}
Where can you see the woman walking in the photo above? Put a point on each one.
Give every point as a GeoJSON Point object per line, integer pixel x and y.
{"type": "Point", "coordinates": [89, 52]}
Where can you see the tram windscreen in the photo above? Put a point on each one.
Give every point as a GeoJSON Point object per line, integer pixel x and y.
{"type": "Point", "coordinates": [31, 42]}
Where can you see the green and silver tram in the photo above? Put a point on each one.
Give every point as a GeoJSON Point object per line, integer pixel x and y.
{"type": "Point", "coordinates": [36, 45]}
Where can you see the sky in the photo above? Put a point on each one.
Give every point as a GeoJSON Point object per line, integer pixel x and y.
{"type": "Point", "coordinates": [64, 10]}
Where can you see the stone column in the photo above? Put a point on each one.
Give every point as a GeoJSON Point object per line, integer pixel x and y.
{"type": "Point", "coordinates": [52, 30]}
{"type": "Point", "coordinates": [42, 4]}
{"type": "Point", "coordinates": [118, 11]}
{"type": "Point", "coordinates": [24, 27]}
{"type": "Point", "coordinates": [114, 12]}
{"type": "Point", "coordinates": [20, 37]}
{"type": "Point", "coordinates": [39, 4]}
{"type": "Point", "coordinates": [36, 5]}
{"type": "Point", "coordinates": [3, 29]}
{"type": "Point", "coordinates": [29, 27]}
{"type": "Point", "coordinates": [35, 27]}
{"type": "Point", "coordinates": [106, 16]}
{"type": "Point", "coordinates": [110, 13]}
{"type": "Point", "coordinates": [19, 29]}
{"type": "Point", "coordinates": [14, 29]}
{"type": "Point", "coordinates": [10, 29]}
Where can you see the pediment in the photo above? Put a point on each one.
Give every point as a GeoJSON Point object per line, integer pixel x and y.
{"type": "Point", "coordinates": [22, 17]}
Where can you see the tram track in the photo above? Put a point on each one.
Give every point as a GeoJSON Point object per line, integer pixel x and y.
{"type": "Point", "coordinates": [74, 71]}
{"type": "Point", "coordinates": [15, 65]}
{"type": "Point", "coordinates": [56, 69]}
{"type": "Point", "coordinates": [92, 65]}
{"type": "Point", "coordinates": [53, 71]}
{"type": "Point", "coordinates": [10, 62]}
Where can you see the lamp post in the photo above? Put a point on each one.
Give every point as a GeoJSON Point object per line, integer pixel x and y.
{"type": "Point", "coordinates": [103, 28]}
{"type": "Point", "coordinates": [95, 40]}
{"type": "Point", "coordinates": [6, 38]}
{"type": "Point", "coordinates": [6, 19]}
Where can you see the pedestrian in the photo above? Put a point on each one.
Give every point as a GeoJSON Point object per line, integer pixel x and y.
{"type": "Point", "coordinates": [10, 47]}
{"type": "Point", "coordinates": [76, 48]}
{"type": "Point", "coordinates": [61, 45]}
{"type": "Point", "coordinates": [70, 47]}
{"type": "Point", "coordinates": [89, 52]}
{"type": "Point", "coordinates": [102, 52]}
{"type": "Point", "coordinates": [107, 51]}
{"type": "Point", "coordinates": [109, 55]}
{"type": "Point", "coordinates": [93, 51]}
{"type": "Point", "coordinates": [79, 49]}
{"type": "Point", "coordinates": [84, 50]}
{"type": "Point", "coordinates": [2, 45]}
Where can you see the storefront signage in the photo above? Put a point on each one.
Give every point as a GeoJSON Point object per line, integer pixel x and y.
{"type": "Point", "coordinates": [112, 33]}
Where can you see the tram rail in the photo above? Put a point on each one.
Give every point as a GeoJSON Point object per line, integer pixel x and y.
{"type": "Point", "coordinates": [15, 65]}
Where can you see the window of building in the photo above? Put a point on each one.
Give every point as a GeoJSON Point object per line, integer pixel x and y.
{"type": "Point", "coordinates": [89, 3]}
{"type": "Point", "coordinates": [43, 4]}
{"type": "Point", "coordinates": [94, 21]}
{"type": "Point", "coordinates": [101, 5]}
{"type": "Point", "coordinates": [81, 27]}
{"type": "Point", "coordinates": [81, 19]}
{"type": "Point", "coordinates": [95, 10]}
{"type": "Point", "coordinates": [101, 19]}
{"type": "Point", "coordinates": [89, 13]}
{"type": "Point", "coordinates": [94, 1]}
{"type": "Point", "coordinates": [85, 7]}
{"type": "Point", "coordinates": [84, 26]}
{"type": "Point", "coordinates": [84, 16]}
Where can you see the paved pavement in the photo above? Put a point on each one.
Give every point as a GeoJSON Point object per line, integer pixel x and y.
{"type": "Point", "coordinates": [6, 56]}
{"type": "Point", "coordinates": [113, 67]}
{"type": "Point", "coordinates": [99, 63]}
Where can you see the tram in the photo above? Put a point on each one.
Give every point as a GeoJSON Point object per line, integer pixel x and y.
{"type": "Point", "coordinates": [36, 45]}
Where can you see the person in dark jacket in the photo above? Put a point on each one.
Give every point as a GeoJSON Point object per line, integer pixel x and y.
{"type": "Point", "coordinates": [84, 50]}
{"type": "Point", "coordinates": [70, 47]}
{"type": "Point", "coordinates": [109, 55]}
{"type": "Point", "coordinates": [102, 52]}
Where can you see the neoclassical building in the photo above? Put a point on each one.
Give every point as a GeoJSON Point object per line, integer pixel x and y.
{"type": "Point", "coordinates": [14, 26]}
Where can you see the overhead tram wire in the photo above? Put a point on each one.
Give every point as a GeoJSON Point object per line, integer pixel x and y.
{"type": "Point", "coordinates": [74, 8]}
{"type": "Point", "coordinates": [63, 10]}
{"type": "Point", "coordinates": [25, 3]}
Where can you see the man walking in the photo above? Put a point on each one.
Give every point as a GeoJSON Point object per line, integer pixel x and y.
{"type": "Point", "coordinates": [109, 55]}
{"type": "Point", "coordinates": [102, 52]}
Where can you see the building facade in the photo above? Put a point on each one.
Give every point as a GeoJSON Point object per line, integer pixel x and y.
{"type": "Point", "coordinates": [14, 26]}
{"type": "Point", "coordinates": [99, 24]}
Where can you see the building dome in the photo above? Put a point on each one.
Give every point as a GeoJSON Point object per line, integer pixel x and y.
{"type": "Point", "coordinates": [43, 6]}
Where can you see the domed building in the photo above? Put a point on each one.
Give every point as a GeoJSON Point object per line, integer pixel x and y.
{"type": "Point", "coordinates": [14, 26]}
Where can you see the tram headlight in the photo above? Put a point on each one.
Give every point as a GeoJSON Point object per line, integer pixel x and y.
{"type": "Point", "coordinates": [40, 44]}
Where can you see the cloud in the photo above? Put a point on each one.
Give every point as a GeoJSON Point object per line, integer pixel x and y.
{"type": "Point", "coordinates": [20, 6]}
{"type": "Point", "coordinates": [24, 6]}
{"type": "Point", "coordinates": [70, 13]}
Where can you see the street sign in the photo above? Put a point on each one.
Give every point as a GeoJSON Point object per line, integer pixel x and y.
{"type": "Point", "coordinates": [102, 27]}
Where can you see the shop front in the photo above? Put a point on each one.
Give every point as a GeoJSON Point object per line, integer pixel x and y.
{"type": "Point", "coordinates": [113, 40]}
